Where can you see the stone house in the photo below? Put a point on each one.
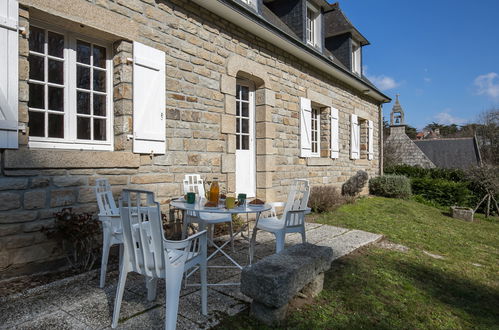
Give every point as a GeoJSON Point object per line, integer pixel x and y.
{"type": "Point", "coordinates": [253, 92]}
{"type": "Point", "coordinates": [431, 152]}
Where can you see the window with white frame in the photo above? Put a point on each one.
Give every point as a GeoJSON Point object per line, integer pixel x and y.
{"type": "Point", "coordinates": [312, 25]}
{"type": "Point", "coordinates": [70, 94]}
{"type": "Point", "coordinates": [315, 128]}
{"type": "Point", "coordinates": [356, 58]}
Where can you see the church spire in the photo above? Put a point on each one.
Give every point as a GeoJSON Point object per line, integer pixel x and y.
{"type": "Point", "coordinates": [397, 115]}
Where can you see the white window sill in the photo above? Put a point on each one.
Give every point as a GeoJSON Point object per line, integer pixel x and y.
{"type": "Point", "coordinates": [68, 145]}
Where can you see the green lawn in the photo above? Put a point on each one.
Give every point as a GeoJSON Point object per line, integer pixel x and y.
{"type": "Point", "coordinates": [388, 289]}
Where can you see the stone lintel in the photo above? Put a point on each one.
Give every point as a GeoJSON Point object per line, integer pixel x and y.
{"type": "Point", "coordinates": [25, 158]}
{"type": "Point", "coordinates": [316, 97]}
{"type": "Point", "coordinates": [85, 18]}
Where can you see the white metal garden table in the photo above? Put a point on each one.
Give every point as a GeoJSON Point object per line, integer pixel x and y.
{"type": "Point", "coordinates": [198, 207]}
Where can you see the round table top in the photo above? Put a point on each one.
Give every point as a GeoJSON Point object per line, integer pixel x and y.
{"type": "Point", "coordinates": [199, 207]}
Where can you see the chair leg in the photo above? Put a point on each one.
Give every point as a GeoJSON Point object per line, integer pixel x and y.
{"type": "Point", "coordinates": [280, 238]}
{"type": "Point", "coordinates": [211, 229]}
{"type": "Point", "coordinates": [151, 284]}
{"type": "Point", "coordinates": [231, 237]}
{"type": "Point", "coordinates": [106, 245]}
{"type": "Point", "coordinates": [121, 254]}
{"type": "Point", "coordinates": [173, 284]}
{"type": "Point", "coordinates": [119, 294]}
{"type": "Point", "coordinates": [303, 236]}
{"type": "Point", "coordinates": [204, 287]}
{"type": "Point", "coordinates": [252, 245]}
{"type": "Point", "coordinates": [185, 225]}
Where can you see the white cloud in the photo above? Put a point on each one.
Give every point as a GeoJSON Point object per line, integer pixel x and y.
{"type": "Point", "coordinates": [384, 82]}
{"type": "Point", "coordinates": [427, 79]}
{"type": "Point", "coordinates": [445, 118]}
{"type": "Point", "coordinates": [488, 84]}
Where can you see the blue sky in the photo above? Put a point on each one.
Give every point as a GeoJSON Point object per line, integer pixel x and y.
{"type": "Point", "coordinates": [441, 56]}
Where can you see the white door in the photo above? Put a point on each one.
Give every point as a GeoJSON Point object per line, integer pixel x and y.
{"type": "Point", "coordinates": [245, 139]}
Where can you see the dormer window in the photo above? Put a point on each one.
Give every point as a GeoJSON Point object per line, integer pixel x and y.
{"type": "Point", "coordinates": [356, 58]}
{"type": "Point", "coordinates": [312, 25]}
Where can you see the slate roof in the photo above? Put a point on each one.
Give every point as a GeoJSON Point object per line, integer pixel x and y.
{"type": "Point", "coordinates": [451, 153]}
{"type": "Point", "coordinates": [336, 23]}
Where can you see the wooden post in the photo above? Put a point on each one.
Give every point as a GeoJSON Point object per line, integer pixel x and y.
{"type": "Point", "coordinates": [488, 207]}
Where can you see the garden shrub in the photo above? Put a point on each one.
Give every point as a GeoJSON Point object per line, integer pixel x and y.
{"type": "Point", "coordinates": [326, 199]}
{"type": "Point", "coordinates": [77, 236]}
{"type": "Point", "coordinates": [443, 192]}
{"type": "Point", "coordinates": [394, 186]}
{"type": "Point", "coordinates": [456, 175]}
{"type": "Point", "coordinates": [354, 185]}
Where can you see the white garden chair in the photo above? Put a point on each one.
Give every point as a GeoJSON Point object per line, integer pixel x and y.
{"type": "Point", "coordinates": [109, 216]}
{"type": "Point", "coordinates": [147, 252]}
{"type": "Point", "coordinates": [194, 183]}
{"type": "Point", "coordinates": [292, 219]}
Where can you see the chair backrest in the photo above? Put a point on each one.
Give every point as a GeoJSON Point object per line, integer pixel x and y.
{"type": "Point", "coordinates": [194, 183]}
{"type": "Point", "coordinates": [297, 201]}
{"type": "Point", "coordinates": [105, 198]}
{"type": "Point", "coordinates": [146, 248]}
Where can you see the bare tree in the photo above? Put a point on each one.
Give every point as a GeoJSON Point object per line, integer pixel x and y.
{"type": "Point", "coordinates": [488, 136]}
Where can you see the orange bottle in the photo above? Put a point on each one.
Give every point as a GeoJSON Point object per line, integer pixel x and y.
{"type": "Point", "coordinates": [214, 191]}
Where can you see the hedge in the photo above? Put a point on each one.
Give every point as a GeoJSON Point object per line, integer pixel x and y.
{"type": "Point", "coordinates": [394, 186]}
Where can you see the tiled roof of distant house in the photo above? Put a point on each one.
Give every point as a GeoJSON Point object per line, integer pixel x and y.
{"type": "Point", "coordinates": [451, 153]}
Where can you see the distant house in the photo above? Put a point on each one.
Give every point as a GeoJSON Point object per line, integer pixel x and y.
{"type": "Point", "coordinates": [428, 150]}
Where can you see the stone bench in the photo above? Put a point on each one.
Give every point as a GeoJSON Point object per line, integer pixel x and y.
{"type": "Point", "coordinates": [275, 280]}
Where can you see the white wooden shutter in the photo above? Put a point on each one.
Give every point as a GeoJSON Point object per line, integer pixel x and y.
{"type": "Point", "coordinates": [9, 59]}
{"type": "Point", "coordinates": [370, 146]}
{"type": "Point", "coordinates": [149, 125]}
{"type": "Point", "coordinates": [354, 137]}
{"type": "Point", "coordinates": [305, 127]}
{"type": "Point", "coordinates": [335, 133]}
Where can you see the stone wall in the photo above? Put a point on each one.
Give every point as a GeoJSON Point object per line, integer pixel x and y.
{"type": "Point", "coordinates": [204, 56]}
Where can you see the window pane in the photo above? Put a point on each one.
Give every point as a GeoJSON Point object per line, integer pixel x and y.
{"type": "Point", "coordinates": [238, 91]}
{"type": "Point", "coordinates": [36, 39]}
{"type": "Point", "coordinates": [56, 72]}
{"type": "Point", "coordinates": [83, 77]}
{"type": "Point", "coordinates": [245, 123]}
{"type": "Point", "coordinates": [83, 128]}
{"type": "Point", "coordinates": [36, 123]}
{"type": "Point", "coordinates": [36, 68]}
{"type": "Point", "coordinates": [238, 108]}
{"type": "Point", "coordinates": [56, 44]}
{"type": "Point", "coordinates": [245, 109]}
{"type": "Point", "coordinates": [99, 56]}
{"type": "Point", "coordinates": [238, 142]}
{"type": "Point", "coordinates": [56, 126]}
{"type": "Point", "coordinates": [238, 128]}
{"type": "Point", "coordinates": [245, 142]}
{"type": "Point", "coordinates": [99, 80]}
{"type": "Point", "coordinates": [83, 102]}
{"type": "Point", "coordinates": [36, 96]}
{"type": "Point", "coordinates": [56, 98]}
{"type": "Point", "coordinates": [99, 129]}
{"type": "Point", "coordinates": [244, 93]}
{"type": "Point", "coordinates": [83, 52]}
{"type": "Point", "coordinates": [99, 105]}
